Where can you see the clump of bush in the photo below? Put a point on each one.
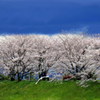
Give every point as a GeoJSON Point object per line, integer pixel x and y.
{"type": "Point", "coordinates": [2, 77]}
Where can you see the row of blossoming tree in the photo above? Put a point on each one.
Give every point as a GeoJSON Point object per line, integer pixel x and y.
{"type": "Point", "coordinates": [24, 53]}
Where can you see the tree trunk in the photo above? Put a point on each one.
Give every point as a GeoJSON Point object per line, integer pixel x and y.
{"type": "Point", "coordinates": [18, 77]}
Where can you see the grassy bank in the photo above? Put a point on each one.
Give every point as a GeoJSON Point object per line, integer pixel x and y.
{"type": "Point", "coordinates": [26, 90]}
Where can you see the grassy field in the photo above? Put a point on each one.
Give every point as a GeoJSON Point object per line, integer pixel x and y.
{"type": "Point", "coordinates": [26, 90]}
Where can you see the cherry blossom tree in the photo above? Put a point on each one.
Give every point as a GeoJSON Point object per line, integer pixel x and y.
{"type": "Point", "coordinates": [43, 51]}
{"type": "Point", "coordinates": [26, 53]}
{"type": "Point", "coordinates": [75, 54]}
{"type": "Point", "coordinates": [17, 54]}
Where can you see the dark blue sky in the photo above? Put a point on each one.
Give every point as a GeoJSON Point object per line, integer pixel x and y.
{"type": "Point", "coordinates": [49, 16]}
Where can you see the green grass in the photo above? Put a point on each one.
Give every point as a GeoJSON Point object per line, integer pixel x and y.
{"type": "Point", "coordinates": [26, 90]}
